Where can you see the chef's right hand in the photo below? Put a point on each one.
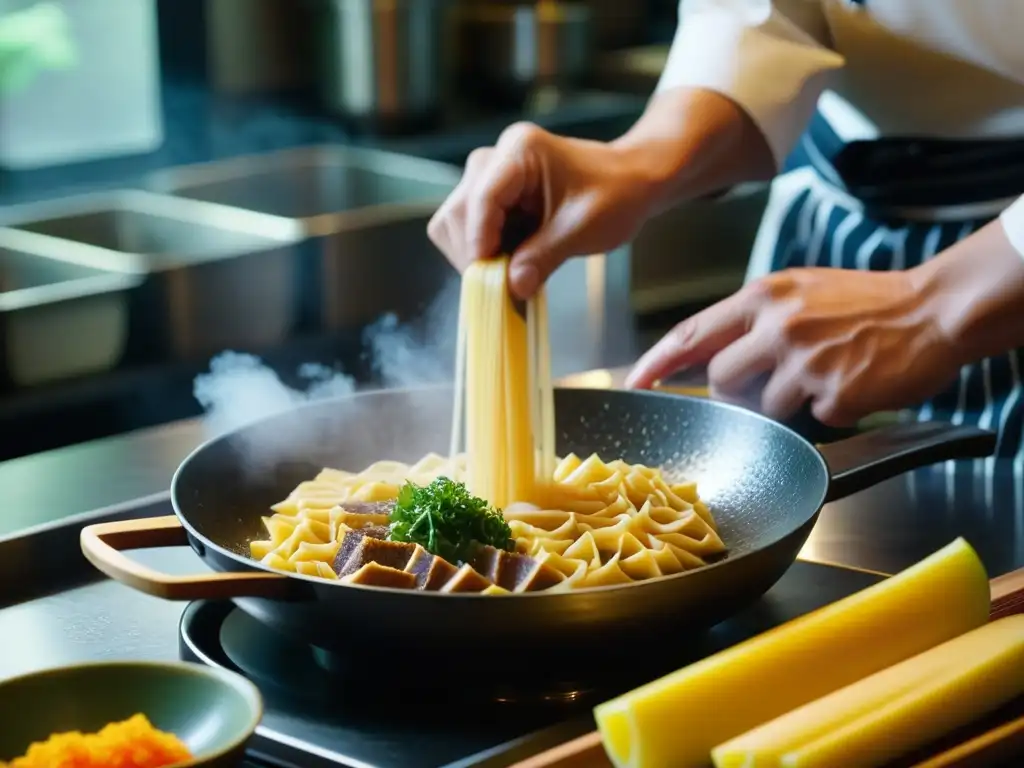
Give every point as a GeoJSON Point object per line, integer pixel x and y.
{"type": "Point", "coordinates": [588, 196]}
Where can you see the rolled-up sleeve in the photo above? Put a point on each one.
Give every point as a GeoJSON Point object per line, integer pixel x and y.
{"type": "Point", "coordinates": [772, 58]}
{"type": "Point", "coordinates": [1012, 220]}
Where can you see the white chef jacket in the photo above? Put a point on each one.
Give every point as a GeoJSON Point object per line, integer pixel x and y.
{"type": "Point", "coordinates": [950, 69]}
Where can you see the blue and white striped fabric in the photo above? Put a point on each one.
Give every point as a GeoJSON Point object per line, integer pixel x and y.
{"type": "Point", "coordinates": [814, 220]}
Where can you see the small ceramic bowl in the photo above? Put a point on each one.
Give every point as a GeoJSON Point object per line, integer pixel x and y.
{"type": "Point", "coordinates": [213, 711]}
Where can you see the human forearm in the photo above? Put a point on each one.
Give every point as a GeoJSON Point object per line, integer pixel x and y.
{"type": "Point", "coordinates": [976, 291]}
{"type": "Point", "coordinates": [741, 81]}
{"type": "Point", "coordinates": [692, 142]}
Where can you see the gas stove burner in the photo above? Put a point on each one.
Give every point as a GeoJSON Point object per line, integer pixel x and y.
{"type": "Point", "coordinates": [219, 634]}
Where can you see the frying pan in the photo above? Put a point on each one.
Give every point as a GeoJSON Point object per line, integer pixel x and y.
{"type": "Point", "coordinates": [765, 485]}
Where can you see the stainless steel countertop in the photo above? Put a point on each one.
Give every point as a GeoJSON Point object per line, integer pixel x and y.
{"type": "Point", "coordinates": [40, 489]}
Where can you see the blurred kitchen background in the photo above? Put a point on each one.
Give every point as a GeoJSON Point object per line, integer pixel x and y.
{"type": "Point", "coordinates": [184, 177]}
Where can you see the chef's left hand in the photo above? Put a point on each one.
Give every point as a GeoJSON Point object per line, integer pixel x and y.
{"type": "Point", "coordinates": [852, 343]}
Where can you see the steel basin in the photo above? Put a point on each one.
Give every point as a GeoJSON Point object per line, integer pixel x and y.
{"type": "Point", "coordinates": [364, 214]}
{"type": "Point", "coordinates": [212, 277]}
{"type": "Point", "coordinates": [59, 319]}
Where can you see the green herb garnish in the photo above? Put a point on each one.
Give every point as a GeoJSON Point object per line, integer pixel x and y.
{"type": "Point", "coordinates": [447, 521]}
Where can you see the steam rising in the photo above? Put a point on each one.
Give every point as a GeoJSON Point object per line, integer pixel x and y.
{"type": "Point", "coordinates": [421, 353]}
{"type": "Point", "coordinates": [240, 389]}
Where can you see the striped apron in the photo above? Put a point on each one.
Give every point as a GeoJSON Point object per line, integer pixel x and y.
{"type": "Point", "coordinates": [893, 204]}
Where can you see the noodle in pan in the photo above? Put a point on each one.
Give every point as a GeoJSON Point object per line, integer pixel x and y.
{"type": "Point", "coordinates": [502, 513]}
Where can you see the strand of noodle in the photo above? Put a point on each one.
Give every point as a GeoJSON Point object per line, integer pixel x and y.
{"type": "Point", "coordinates": [484, 323]}
{"type": "Point", "coordinates": [492, 416]}
{"type": "Point", "coordinates": [495, 406]}
{"type": "Point", "coordinates": [458, 438]}
{"type": "Point", "coordinates": [546, 408]}
{"type": "Point", "coordinates": [497, 381]}
{"type": "Point", "coordinates": [474, 318]}
{"type": "Point", "coordinates": [536, 419]}
{"type": "Point", "coordinates": [519, 396]}
{"type": "Point", "coordinates": [508, 408]}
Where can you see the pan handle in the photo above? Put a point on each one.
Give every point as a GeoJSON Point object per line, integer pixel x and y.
{"type": "Point", "coordinates": [103, 545]}
{"type": "Point", "coordinates": [867, 459]}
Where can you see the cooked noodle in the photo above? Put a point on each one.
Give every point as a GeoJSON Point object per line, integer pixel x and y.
{"type": "Point", "coordinates": [610, 523]}
{"type": "Point", "coordinates": [595, 522]}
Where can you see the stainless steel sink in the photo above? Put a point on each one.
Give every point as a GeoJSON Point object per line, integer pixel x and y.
{"type": "Point", "coordinates": [149, 232]}
{"type": "Point", "coordinates": [59, 319]}
{"type": "Point", "coordinates": [215, 277]}
{"type": "Point", "coordinates": [364, 213]}
{"type": "Point", "coordinates": [245, 253]}
{"type": "Point", "coordinates": [324, 187]}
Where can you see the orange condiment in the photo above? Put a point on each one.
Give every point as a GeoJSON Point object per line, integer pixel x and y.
{"type": "Point", "coordinates": [133, 743]}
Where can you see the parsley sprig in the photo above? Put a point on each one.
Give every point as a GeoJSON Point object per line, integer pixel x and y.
{"type": "Point", "coordinates": [446, 520]}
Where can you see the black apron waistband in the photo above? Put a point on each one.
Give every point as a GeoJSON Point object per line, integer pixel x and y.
{"type": "Point", "coordinates": [917, 172]}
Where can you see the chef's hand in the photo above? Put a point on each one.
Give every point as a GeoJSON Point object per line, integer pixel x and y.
{"type": "Point", "coordinates": [586, 193]}
{"type": "Point", "coordinates": [852, 343]}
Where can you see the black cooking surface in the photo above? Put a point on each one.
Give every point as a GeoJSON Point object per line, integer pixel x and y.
{"type": "Point", "coordinates": [322, 712]}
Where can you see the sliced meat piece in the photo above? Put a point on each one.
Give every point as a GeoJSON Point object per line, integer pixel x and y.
{"type": "Point", "coordinates": [431, 571]}
{"type": "Point", "coordinates": [369, 507]}
{"type": "Point", "coordinates": [490, 562]}
{"type": "Point", "coordinates": [351, 540]}
{"type": "Point", "coordinates": [467, 579]}
{"type": "Point", "coordinates": [393, 554]}
{"type": "Point", "coordinates": [362, 514]}
{"type": "Point", "coordinates": [492, 570]}
{"type": "Point", "coordinates": [536, 576]}
{"type": "Point", "coordinates": [514, 571]}
{"type": "Point", "coordinates": [375, 531]}
{"type": "Point", "coordinates": [377, 575]}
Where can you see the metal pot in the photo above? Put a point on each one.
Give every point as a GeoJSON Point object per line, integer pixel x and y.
{"type": "Point", "coordinates": [205, 267]}
{"type": "Point", "coordinates": [381, 63]}
{"type": "Point", "coordinates": [512, 50]}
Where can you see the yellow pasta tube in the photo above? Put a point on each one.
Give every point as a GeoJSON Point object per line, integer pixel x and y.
{"type": "Point", "coordinates": [676, 721]}
{"type": "Point", "coordinates": [891, 713]}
